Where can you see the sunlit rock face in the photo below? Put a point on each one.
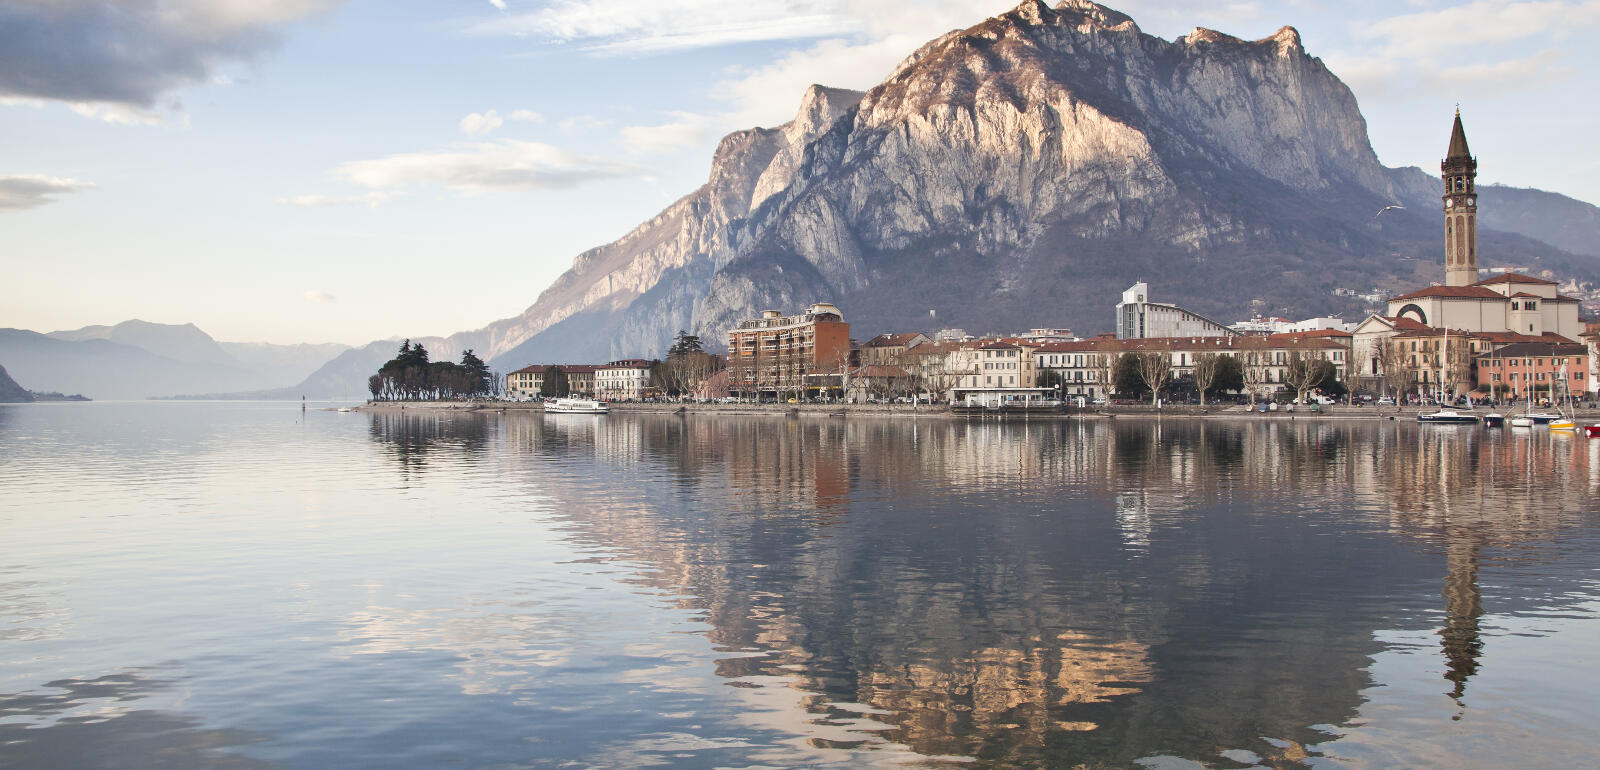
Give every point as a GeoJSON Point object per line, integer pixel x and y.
{"type": "Point", "coordinates": [1017, 173]}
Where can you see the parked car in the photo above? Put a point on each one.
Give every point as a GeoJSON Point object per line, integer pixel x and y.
{"type": "Point", "coordinates": [1386, 401]}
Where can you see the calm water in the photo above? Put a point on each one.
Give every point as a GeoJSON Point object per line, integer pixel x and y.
{"type": "Point", "coordinates": [210, 585]}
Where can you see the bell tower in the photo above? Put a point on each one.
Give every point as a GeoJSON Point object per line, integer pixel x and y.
{"type": "Point", "coordinates": [1460, 172]}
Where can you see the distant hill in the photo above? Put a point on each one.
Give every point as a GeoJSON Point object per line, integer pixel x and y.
{"type": "Point", "coordinates": [11, 392]}
{"type": "Point", "coordinates": [138, 359]}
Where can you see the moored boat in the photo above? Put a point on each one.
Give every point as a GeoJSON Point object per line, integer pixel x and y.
{"type": "Point", "coordinates": [1447, 417]}
{"type": "Point", "coordinates": [1522, 422]}
{"type": "Point", "coordinates": [575, 406]}
{"type": "Point", "coordinates": [1591, 431]}
{"type": "Point", "coordinates": [1494, 420]}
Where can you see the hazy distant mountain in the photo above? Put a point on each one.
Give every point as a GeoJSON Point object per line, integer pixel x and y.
{"type": "Point", "coordinates": [281, 365]}
{"type": "Point", "coordinates": [103, 369]}
{"type": "Point", "coordinates": [179, 342]}
{"type": "Point", "coordinates": [10, 391]}
{"type": "Point", "coordinates": [1023, 172]}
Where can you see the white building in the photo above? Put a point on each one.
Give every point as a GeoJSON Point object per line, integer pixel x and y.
{"type": "Point", "coordinates": [1139, 318]}
{"type": "Point", "coordinates": [623, 380]}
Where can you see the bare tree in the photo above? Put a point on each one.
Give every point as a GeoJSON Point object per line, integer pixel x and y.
{"type": "Point", "coordinates": [1154, 368]}
{"type": "Point", "coordinates": [1256, 370]}
{"type": "Point", "coordinates": [1205, 373]}
{"type": "Point", "coordinates": [1398, 373]}
{"type": "Point", "coordinates": [1302, 373]}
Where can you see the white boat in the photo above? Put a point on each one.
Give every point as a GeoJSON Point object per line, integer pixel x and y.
{"type": "Point", "coordinates": [575, 406]}
{"type": "Point", "coordinates": [1522, 422]}
{"type": "Point", "coordinates": [1447, 416]}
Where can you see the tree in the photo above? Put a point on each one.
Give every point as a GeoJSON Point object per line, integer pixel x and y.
{"type": "Point", "coordinates": [1302, 373]}
{"type": "Point", "coordinates": [554, 384]}
{"type": "Point", "coordinates": [1397, 371]}
{"type": "Point", "coordinates": [1255, 371]}
{"type": "Point", "coordinates": [1125, 376]}
{"type": "Point", "coordinates": [477, 374]}
{"type": "Point", "coordinates": [1154, 368]}
{"type": "Point", "coordinates": [684, 343]}
{"type": "Point", "coordinates": [1230, 375]}
{"type": "Point", "coordinates": [375, 384]}
{"type": "Point", "coordinates": [1047, 378]}
{"type": "Point", "coordinates": [1205, 373]}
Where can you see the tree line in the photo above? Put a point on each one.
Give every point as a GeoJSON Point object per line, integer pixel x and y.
{"type": "Point", "coordinates": [411, 376]}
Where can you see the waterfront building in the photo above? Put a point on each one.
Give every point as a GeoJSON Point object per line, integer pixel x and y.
{"type": "Point", "coordinates": [627, 379]}
{"type": "Point", "coordinates": [1139, 318]}
{"type": "Point", "coordinates": [887, 349]}
{"type": "Point", "coordinates": [1507, 308]}
{"type": "Point", "coordinates": [772, 356]}
{"type": "Point", "coordinates": [1087, 367]}
{"type": "Point", "coordinates": [529, 380]}
{"type": "Point", "coordinates": [1535, 370]}
{"type": "Point", "coordinates": [1006, 363]}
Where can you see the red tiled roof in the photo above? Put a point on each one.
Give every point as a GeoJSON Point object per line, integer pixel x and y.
{"type": "Point", "coordinates": [891, 340]}
{"type": "Point", "coordinates": [1513, 278]}
{"type": "Point", "coordinates": [1452, 292]}
{"type": "Point", "coordinates": [1309, 334]}
{"type": "Point", "coordinates": [1525, 294]}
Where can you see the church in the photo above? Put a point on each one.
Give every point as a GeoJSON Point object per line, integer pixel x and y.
{"type": "Point", "coordinates": [1481, 315]}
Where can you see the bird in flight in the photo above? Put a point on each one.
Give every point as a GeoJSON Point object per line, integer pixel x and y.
{"type": "Point", "coordinates": [1386, 208]}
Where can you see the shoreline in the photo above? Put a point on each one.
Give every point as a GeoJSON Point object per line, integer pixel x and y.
{"type": "Point", "coordinates": [943, 411]}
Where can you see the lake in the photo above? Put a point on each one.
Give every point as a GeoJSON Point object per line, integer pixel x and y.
{"type": "Point", "coordinates": [249, 585]}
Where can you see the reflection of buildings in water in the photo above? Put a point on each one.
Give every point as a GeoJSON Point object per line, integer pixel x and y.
{"type": "Point", "coordinates": [966, 622]}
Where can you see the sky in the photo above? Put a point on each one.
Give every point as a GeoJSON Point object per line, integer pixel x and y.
{"type": "Point", "coordinates": [349, 170]}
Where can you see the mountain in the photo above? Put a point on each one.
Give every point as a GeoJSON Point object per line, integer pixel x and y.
{"type": "Point", "coordinates": [1022, 172]}
{"type": "Point", "coordinates": [282, 364]}
{"type": "Point", "coordinates": [11, 392]}
{"type": "Point", "coordinates": [103, 369]}
{"type": "Point", "coordinates": [179, 342]}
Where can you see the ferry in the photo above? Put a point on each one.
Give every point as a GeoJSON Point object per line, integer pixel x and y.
{"type": "Point", "coordinates": [575, 406]}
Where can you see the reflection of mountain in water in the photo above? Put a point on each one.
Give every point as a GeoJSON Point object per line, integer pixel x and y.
{"type": "Point", "coordinates": [1058, 592]}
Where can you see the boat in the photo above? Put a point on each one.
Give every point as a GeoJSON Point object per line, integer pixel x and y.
{"type": "Point", "coordinates": [1447, 417]}
{"type": "Point", "coordinates": [1591, 431]}
{"type": "Point", "coordinates": [575, 406]}
{"type": "Point", "coordinates": [1494, 420]}
{"type": "Point", "coordinates": [1522, 422]}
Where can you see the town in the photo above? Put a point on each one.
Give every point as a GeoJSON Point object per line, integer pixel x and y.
{"type": "Point", "coordinates": [1508, 336]}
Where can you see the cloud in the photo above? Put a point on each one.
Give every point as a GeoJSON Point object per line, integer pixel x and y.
{"type": "Point", "coordinates": [26, 192]}
{"type": "Point", "coordinates": [646, 26]}
{"type": "Point", "coordinates": [484, 166]}
{"type": "Point", "coordinates": [132, 53]}
{"type": "Point", "coordinates": [501, 4]}
{"type": "Point", "coordinates": [318, 296]}
{"type": "Point", "coordinates": [480, 123]}
{"type": "Point", "coordinates": [370, 200]}
{"type": "Point", "coordinates": [687, 130]}
{"type": "Point", "coordinates": [528, 116]}
{"type": "Point", "coordinates": [1429, 35]}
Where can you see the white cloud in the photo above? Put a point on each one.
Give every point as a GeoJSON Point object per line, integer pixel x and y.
{"type": "Point", "coordinates": [371, 199]}
{"type": "Point", "coordinates": [121, 114]}
{"type": "Point", "coordinates": [687, 130]}
{"type": "Point", "coordinates": [643, 26]}
{"type": "Point", "coordinates": [501, 4]}
{"type": "Point", "coordinates": [484, 166]}
{"type": "Point", "coordinates": [480, 123]}
{"type": "Point", "coordinates": [26, 192]}
{"type": "Point", "coordinates": [318, 296]}
{"type": "Point", "coordinates": [527, 116]}
{"type": "Point", "coordinates": [1437, 33]}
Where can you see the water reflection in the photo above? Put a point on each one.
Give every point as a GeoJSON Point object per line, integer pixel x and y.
{"type": "Point", "coordinates": [1069, 591]}
{"type": "Point", "coordinates": [102, 723]}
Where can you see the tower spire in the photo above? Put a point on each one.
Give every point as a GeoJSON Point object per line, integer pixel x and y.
{"type": "Point", "coordinates": [1460, 173]}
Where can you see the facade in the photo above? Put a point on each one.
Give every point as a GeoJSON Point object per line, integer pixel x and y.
{"type": "Point", "coordinates": [771, 356]}
{"type": "Point", "coordinates": [1005, 363]}
{"type": "Point", "coordinates": [625, 380]}
{"type": "Point", "coordinates": [526, 382]}
{"type": "Point", "coordinates": [887, 349]}
{"type": "Point", "coordinates": [1138, 318]}
{"type": "Point", "coordinates": [1087, 367]}
{"type": "Point", "coordinates": [1535, 370]}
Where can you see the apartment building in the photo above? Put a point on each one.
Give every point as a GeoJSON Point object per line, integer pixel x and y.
{"type": "Point", "coordinates": [771, 356]}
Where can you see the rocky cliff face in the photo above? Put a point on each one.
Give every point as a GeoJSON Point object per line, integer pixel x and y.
{"type": "Point", "coordinates": [1019, 172]}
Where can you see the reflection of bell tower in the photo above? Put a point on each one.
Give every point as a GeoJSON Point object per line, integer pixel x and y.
{"type": "Point", "coordinates": [1463, 604]}
{"type": "Point", "coordinates": [1460, 172]}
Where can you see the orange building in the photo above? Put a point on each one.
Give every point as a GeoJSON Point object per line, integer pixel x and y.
{"type": "Point", "coordinates": [1530, 369]}
{"type": "Point", "coordinates": [770, 356]}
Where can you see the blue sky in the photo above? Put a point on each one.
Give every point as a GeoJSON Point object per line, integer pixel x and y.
{"type": "Point", "coordinates": [348, 170]}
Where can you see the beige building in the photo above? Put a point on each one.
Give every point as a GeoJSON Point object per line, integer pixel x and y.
{"type": "Point", "coordinates": [526, 382]}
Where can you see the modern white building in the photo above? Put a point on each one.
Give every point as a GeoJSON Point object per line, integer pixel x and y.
{"type": "Point", "coordinates": [1139, 318]}
{"type": "Point", "coordinates": [623, 380]}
